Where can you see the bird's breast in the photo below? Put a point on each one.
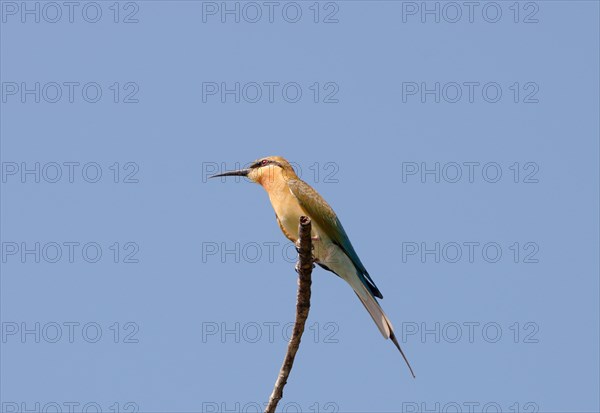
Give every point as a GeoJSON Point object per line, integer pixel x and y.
{"type": "Point", "coordinates": [288, 212]}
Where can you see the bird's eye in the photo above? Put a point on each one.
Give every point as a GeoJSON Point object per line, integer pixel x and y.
{"type": "Point", "coordinates": [264, 162]}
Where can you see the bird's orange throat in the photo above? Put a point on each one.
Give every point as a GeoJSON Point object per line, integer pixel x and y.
{"type": "Point", "coordinates": [272, 179]}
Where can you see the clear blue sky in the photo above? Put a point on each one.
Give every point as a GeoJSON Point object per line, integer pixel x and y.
{"type": "Point", "coordinates": [440, 144]}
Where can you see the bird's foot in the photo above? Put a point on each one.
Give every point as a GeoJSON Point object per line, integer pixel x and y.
{"type": "Point", "coordinates": [297, 245]}
{"type": "Point", "coordinates": [297, 266]}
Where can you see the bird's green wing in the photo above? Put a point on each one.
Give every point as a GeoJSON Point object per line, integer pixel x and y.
{"type": "Point", "coordinates": [324, 216]}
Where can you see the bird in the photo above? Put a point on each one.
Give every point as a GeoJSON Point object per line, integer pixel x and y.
{"type": "Point", "coordinates": [292, 198]}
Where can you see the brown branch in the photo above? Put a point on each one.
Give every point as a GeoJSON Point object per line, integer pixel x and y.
{"type": "Point", "coordinates": [304, 269]}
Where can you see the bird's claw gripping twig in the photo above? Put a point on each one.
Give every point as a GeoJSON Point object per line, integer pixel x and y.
{"type": "Point", "coordinates": [312, 245]}
{"type": "Point", "coordinates": [314, 259]}
{"type": "Point", "coordinates": [297, 266]}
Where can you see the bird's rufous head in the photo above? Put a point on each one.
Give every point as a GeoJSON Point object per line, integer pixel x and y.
{"type": "Point", "coordinates": [265, 171]}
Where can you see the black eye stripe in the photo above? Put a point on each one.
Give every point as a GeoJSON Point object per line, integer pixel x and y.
{"type": "Point", "coordinates": [258, 164]}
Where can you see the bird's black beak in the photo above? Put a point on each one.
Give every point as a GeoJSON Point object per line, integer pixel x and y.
{"type": "Point", "coordinates": [239, 172]}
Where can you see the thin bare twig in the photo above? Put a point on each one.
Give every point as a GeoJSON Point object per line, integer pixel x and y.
{"type": "Point", "coordinates": [304, 269]}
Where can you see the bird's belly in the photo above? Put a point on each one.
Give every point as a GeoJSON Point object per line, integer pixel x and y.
{"type": "Point", "coordinates": [333, 257]}
{"type": "Point", "coordinates": [290, 222]}
{"type": "Point", "coordinates": [288, 214]}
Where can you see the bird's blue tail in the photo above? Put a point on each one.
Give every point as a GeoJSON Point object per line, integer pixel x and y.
{"type": "Point", "coordinates": [383, 322]}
